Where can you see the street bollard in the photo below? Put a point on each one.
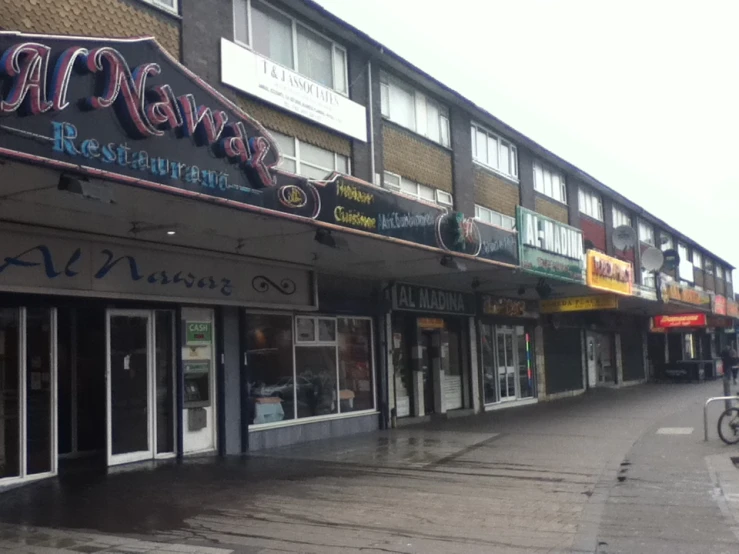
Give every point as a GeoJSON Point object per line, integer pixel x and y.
{"type": "Point", "coordinates": [727, 387]}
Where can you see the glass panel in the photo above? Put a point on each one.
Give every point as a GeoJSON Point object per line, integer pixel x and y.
{"type": "Point", "coordinates": [538, 178]}
{"type": "Point", "coordinates": [355, 365]}
{"type": "Point", "coordinates": [316, 380]}
{"type": "Point", "coordinates": [285, 143]}
{"type": "Point", "coordinates": [505, 159]}
{"type": "Point", "coordinates": [316, 156]}
{"type": "Point", "coordinates": [402, 107]}
{"type": "Point", "coordinates": [269, 351]}
{"type": "Point", "coordinates": [327, 330]}
{"type": "Point", "coordinates": [241, 21]}
{"type": "Point", "coordinates": [342, 164]}
{"type": "Point", "coordinates": [310, 172]}
{"type": "Point", "coordinates": [164, 360]}
{"type": "Point", "coordinates": [409, 187]}
{"type": "Point", "coordinates": [548, 184]}
{"type": "Point", "coordinates": [288, 165]}
{"type": "Point", "coordinates": [482, 147]}
{"type": "Point", "coordinates": [525, 372]}
{"type": "Point", "coordinates": [427, 193]}
{"type": "Point", "coordinates": [10, 397]}
{"type": "Point", "coordinates": [38, 390]}
{"type": "Point", "coordinates": [501, 361]}
{"type": "Point", "coordinates": [306, 329]}
{"type": "Point", "coordinates": [272, 34]}
{"type": "Point", "coordinates": [493, 152]}
{"type": "Point", "coordinates": [314, 57]}
{"type": "Point", "coordinates": [385, 99]}
{"type": "Point", "coordinates": [339, 70]}
{"type": "Point", "coordinates": [432, 122]}
{"type": "Point", "coordinates": [444, 125]}
{"type": "Point", "coordinates": [488, 364]}
{"type": "Point", "coordinates": [510, 369]}
{"type": "Point", "coordinates": [129, 374]}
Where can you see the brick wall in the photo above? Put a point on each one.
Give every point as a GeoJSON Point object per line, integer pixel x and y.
{"type": "Point", "coordinates": [552, 209]}
{"type": "Point", "coordinates": [416, 159]}
{"type": "Point", "coordinates": [287, 124]}
{"type": "Point", "coordinates": [495, 193]}
{"type": "Point", "coordinates": [104, 18]}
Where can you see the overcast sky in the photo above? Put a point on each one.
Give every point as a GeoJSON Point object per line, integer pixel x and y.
{"type": "Point", "coordinates": [643, 95]}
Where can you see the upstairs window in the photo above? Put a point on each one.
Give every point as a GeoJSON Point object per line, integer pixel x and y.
{"type": "Point", "coordinates": [646, 233]}
{"type": "Point", "coordinates": [728, 275]}
{"type": "Point", "coordinates": [168, 5]}
{"type": "Point", "coordinates": [413, 110]}
{"type": "Point", "coordinates": [620, 217]}
{"type": "Point", "coordinates": [709, 266]}
{"type": "Point", "coordinates": [719, 272]}
{"type": "Point", "coordinates": [286, 41]}
{"type": "Point", "coordinates": [494, 152]}
{"type": "Point", "coordinates": [494, 218]}
{"type": "Point", "coordinates": [666, 242]}
{"type": "Point", "coordinates": [590, 204]}
{"type": "Point", "coordinates": [697, 260]}
{"type": "Point", "coordinates": [397, 183]}
{"type": "Point", "coordinates": [307, 160]}
{"type": "Point", "coordinates": [550, 182]}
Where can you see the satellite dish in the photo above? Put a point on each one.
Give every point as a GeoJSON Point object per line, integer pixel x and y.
{"type": "Point", "coordinates": [624, 237]}
{"type": "Point", "coordinates": [672, 259]}
{"type": "Point", "coordinates": [652, 259]}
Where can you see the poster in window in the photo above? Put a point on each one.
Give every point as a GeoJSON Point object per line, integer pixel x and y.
{"type": "Point", "coordinates": [306, 329]}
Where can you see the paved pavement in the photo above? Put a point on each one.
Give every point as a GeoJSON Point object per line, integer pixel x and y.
{"type": "Point", "coordinates": [614, 471]}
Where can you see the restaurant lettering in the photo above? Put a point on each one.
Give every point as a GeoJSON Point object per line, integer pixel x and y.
{"type": "Point", "coordinates": [144, 110]}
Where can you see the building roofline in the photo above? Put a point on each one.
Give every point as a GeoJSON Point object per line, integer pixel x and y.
{"type": "Point", "coordinates": [377, 49]}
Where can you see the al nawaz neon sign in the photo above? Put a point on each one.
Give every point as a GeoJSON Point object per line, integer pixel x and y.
{"type": "Point", "coordinates": [40, 81]}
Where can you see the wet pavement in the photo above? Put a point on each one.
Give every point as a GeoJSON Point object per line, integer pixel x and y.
{"type": "Point", "coordinates": [612, 471]}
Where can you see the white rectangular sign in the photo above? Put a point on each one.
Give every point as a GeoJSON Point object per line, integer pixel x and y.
{"type": "Point", "coordinates": [38, 263]}
{"type": "Point", "coordinates": [254, 74]}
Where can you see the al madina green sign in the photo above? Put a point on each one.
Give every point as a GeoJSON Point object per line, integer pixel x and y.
{"type": "Point", "coordinates": [549, 248]}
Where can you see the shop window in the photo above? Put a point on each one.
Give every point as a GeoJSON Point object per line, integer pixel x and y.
{"type": "Point", "coordinates": [10, 382]}
{"type": "Point", "coordinates": [494, 218]}
{"type": "Point", "coordinates": [413, 110]}
{"type": "Point", "coordinates": [620, 217]}
{"type": "Point", "coordinates": [330, 372]}
{"type": "Point", "coordinates": [288, 42]}
{"type": "Point", "coordinates": [550, 182]}
{"type": "Point", "coordinates": [590, 204]}
{"type": "Point", "coordinates": [307, 160]}
{"type": "Point", "coordinates": [494, 152]}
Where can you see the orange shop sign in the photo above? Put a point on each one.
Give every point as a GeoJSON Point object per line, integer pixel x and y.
{"type": "Point", "coordinates": [732, 308]}
{"type": "Point", "coordinates": [682, 320]}
{"type": "Point", "coordinates": [719, 304]}
{"type": "Point", "coordinates": [608, 273]}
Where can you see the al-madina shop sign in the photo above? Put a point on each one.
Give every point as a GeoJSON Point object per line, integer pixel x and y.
{"type": "Point", "coordinates": [549, 248]}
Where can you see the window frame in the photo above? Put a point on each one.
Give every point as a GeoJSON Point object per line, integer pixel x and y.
{"type": "Point", "coordinates": [666, 241]}
{"type": "Point", "coordinates": [299, 161]}
{"type": "Point", "coordinates": [294, 23]}
{"type": "Point", "coordinates": [545, 168]}
{"type": "Point", "coordinates": [399, 189]}
{"type": "Point", "coordinates": [503, 217]}
{"type": "Point", "coordinates": [174, 9]}
{"type": "Point", "coordinates": [620, 215]}
{"type": "Point", "coordinates": [420, 109]}
{"type": "Point", "coordinates": [699, 263]}
{"type": "Point", "coordinates": [591, 198]}
{"type": "Point", "coordinates": [641, 224]}
{"type": "Point", "coordinates": [512, 151]}
{"type": "Point", "coordinates": [295, 344]}
{"type": "Point", "coordinates": [709, 266]}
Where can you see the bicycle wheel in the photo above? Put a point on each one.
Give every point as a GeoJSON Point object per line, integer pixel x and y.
{"type": "Point", "coordinates": [728, 426]}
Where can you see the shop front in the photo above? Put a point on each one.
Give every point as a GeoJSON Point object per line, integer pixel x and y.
{"type": "Point", "coordinates": [507, 353]}
{"type": "Point", "coordinates": [431, 351]}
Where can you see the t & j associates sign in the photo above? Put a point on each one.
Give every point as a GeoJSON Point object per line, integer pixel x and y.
{"type": "Point", "coordinates": [549, 248]}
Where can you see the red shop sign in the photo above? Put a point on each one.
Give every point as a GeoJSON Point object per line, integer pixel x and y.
{"type": "Point", "coordinates": [683, 320]}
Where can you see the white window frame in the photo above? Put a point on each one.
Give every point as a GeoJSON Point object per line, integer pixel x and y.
{"type": "Point", "coordinates": [720, 272]}
{"type": "Point", "coordinates": [541, 187]}
{"type": "Point", "coordinates": [299, 162]}
{"type": "Point", "coordinates": [666, 242]}
{"type": "Point", "coordinates": [344, 91]}
{"type": "Point", "coordinates": [709, 266]}
{"type": "Point", "coordinates": [296, 344]}
{"type": "Point", "coordinates": [486, 215]}
{"type": "Point", "coordinates": [441, 197]}
{"type": "Point", "coordinates": [727, 273]}
{"type": "Point", "coordinates": [590, 203]}
{"type": "Point", "coordinates": [697, 259]}
{"type": "Point", "coordinates": [490, 136]}
{"type": "Point", "coordinates": [420, 102]}
{"type": "Point", "coordinates": [620, 217]}
{"type": "Point", "coordinates": [174, 8]}
{"type": "Point", "coordinates": [642, 228]}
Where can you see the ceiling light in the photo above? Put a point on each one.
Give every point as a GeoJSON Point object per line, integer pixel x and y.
{"type": "Point", "coordinates": [170, 233]}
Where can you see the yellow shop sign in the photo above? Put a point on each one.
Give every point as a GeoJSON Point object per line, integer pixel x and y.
{"type": "Point", "coordinates": [579, 304]}
{"type": "Point", "coordinates": [608, 273]}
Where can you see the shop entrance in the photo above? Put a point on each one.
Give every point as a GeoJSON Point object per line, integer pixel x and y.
{"type": "Point", "coordinates": [427, 368]}
{"type": "Point", "coordinates": [600, 359]}
{"type": "Point", "coordinates": [506, 363]}
{"type": "Point", "coordinates": [140, 385]}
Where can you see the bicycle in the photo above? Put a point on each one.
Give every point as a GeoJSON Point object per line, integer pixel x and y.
{"type": "Point", "coordinates": [728, 425]}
